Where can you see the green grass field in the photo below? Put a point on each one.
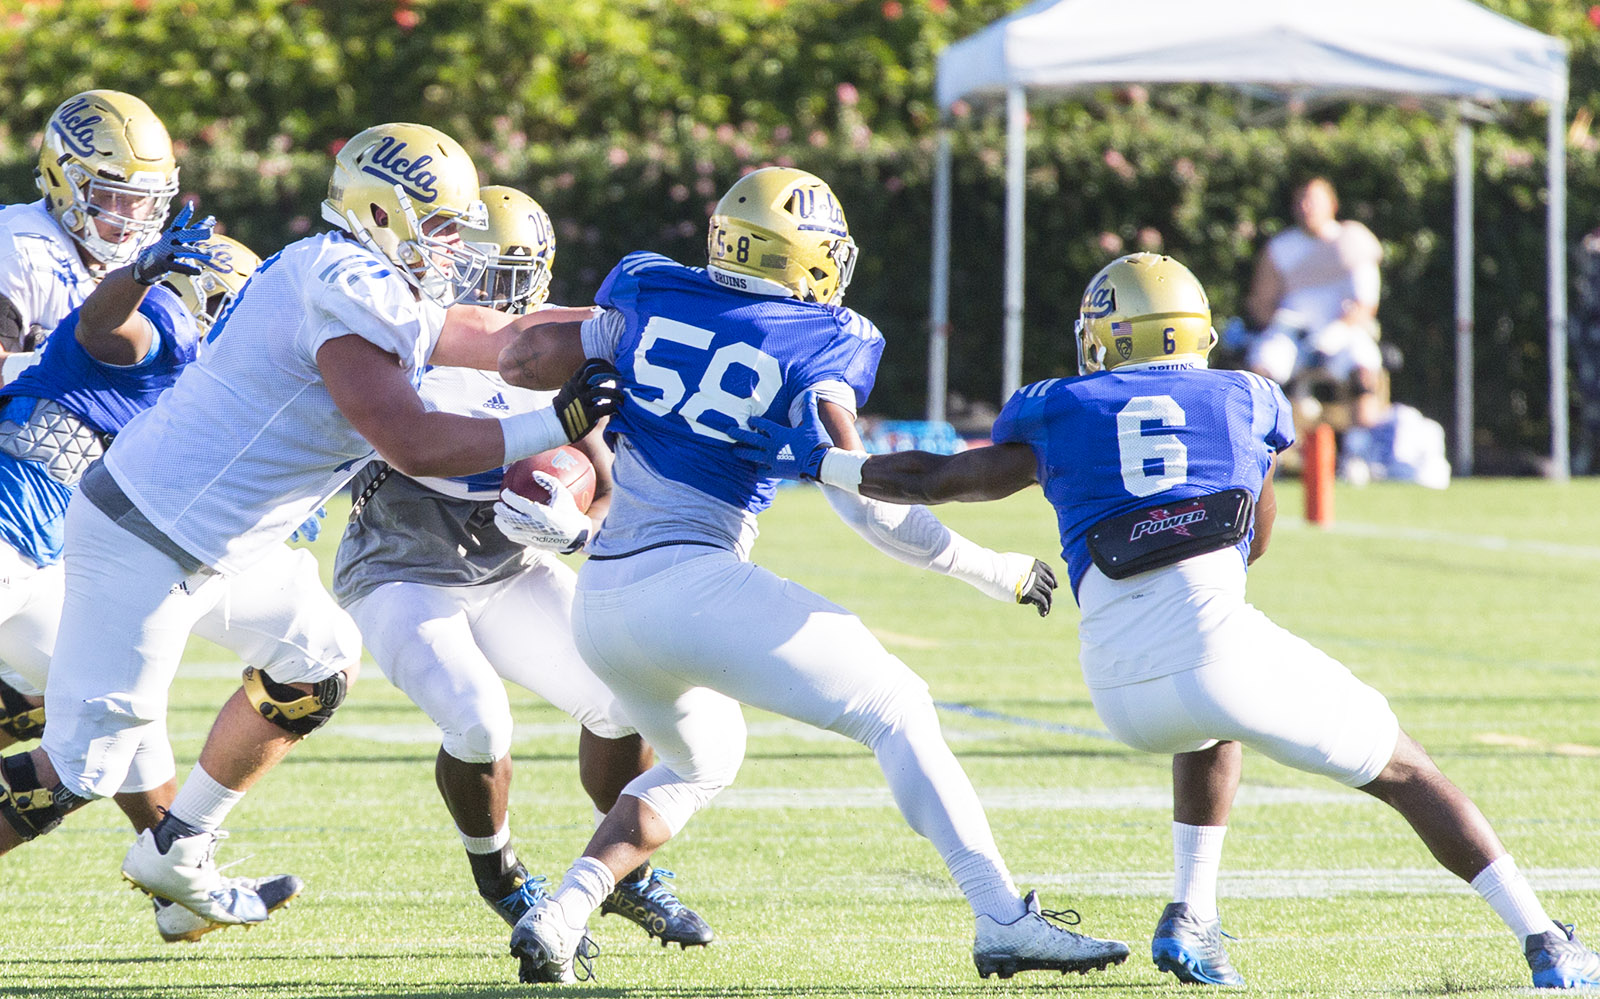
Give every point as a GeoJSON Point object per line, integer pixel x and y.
{"type": "Point", "coordinates": [1473, 609]}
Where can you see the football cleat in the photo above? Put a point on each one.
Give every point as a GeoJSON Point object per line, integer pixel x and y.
{"type": "Point", "coordinates": [176, 923]}
{"type": "Point", "coordinates": [1191, 948]}
{"type": "Point", "coordinates": [185, 873]}
{"type": "Point", "coordinates": [1034, 942]}
{"type": "Point", "coordinates": [529, 890]}
{"type": "Point", "coordinates": [550, 950]}
{"type": "Point", "coordinates": [650, 902]}
{"type": "Point", "coordinates": [1559, 960]}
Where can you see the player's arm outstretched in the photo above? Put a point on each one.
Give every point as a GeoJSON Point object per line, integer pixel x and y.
{"type": "Point", "coordinates": [110, 327]}
{"type": "Point", "coordinates": [910, 534]}
{"type": "Point", "coordinates": [475, 337]}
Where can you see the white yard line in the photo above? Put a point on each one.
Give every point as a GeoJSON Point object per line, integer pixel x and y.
{"type": "Point", "coordinates": [1423, 535]}
{"type": "Point", "coordinates": [1152, 797]}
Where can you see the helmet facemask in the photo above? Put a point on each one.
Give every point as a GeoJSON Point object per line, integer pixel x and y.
{"type": "Point", "coordinates": [443, 268]}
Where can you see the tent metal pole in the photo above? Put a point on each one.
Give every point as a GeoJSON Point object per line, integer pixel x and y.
{"type": "Point", "coordinates": [1465, 318]}
{"type": "Point", "coordinates": [939, 291]}
{"type": "Point", "coordinates": [1560, 452]}
{"type": "Point", "coordinates": [1016, 148]}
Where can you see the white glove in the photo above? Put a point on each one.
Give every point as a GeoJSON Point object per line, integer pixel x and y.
{"type": "Point", "coordinates": [557, 525]}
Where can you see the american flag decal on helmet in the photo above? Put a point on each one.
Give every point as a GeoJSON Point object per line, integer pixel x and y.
{"type": "Point", "coordinates": [1122, 329]}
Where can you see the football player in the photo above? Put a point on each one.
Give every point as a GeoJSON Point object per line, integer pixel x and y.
{"type": "Point", "coordinates": [107, 174]}
{"type": "Point", "coordinates": [448, 605]}
{"type": "Point", "coordinates": [1160, 473]}
{"type": "Point", "coordinates": [673, 616]}
{"type": "Point", "coordinates": [120, 350]}
{"type": "Point", "coordinates": [314, 365]}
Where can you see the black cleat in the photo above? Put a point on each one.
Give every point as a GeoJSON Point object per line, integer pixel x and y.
{"type": "Point", "coordinates": [650, 902]}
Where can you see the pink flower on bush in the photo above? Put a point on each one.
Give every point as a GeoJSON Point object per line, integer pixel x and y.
{"type": "Point", "coordinates": [784, 161]}
{"type": "Point", "coordinates": [1594, 15]}
{"type": "Point", "coordinates": [860, 137]}
{"type": "Point", "coordinates": [938, 6]}
{"type": "Point", "coordinates": [1246, 229]}
{"type": "Point", "coordinates": [678, 192]}
{"type": "Point", "coordinates": [892, 10]}
{"type": "Point", "coordinates": [1119, 164]}
{"type": "Point", "coordinates": [564, 181]}
{"type": "Point", "coordinates": [336, 145]}
{"type": "Point", "coordinates": [894, 185]}
{"type": "Point", "coordinates": [1184, 170]}
{"type": "Point", "coordinates": [617, 156]}
{"type": "Point", "coordinates": [818, 138]}
{"type": "Point", "coordinates": [726, 133]}
{"type": "Point", "coordinates": [688, 229]}
{"type": "Point", "coordinates": [782, 134]}
{"type": "Point", "coordinates": [1110, 243]}
{"type": "Point", "coordinates": [705, 187]}
{"type": "Point", "coordinates": [406, 19]}
{"type": "Point", "coordinates": [847, 94]}
{"type": "Point", "coordinates": [300, 225]}
{"type": "Point", "coordinates": [1150, 239]}
{"type": "Point", "coordinates": [961, 109]}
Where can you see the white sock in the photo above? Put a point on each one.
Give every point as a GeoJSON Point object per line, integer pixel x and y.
{"type": "Point", "coordinates": [202, 802]}
{"type": "Point", "coordinates": [585, 886]}
{"type": "Point", "coordinates": [1504, 888]}
{"type": "Point", "coordinates": [983, 878]}
{"type": "Point", "coordinates": [1196, 859]}
{"type": "Point", "coordinates": [487, 844]}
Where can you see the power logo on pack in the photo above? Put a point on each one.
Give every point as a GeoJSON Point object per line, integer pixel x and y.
{"type": "Point", "coordinates": [1176, 520]}
{"type": "Point", "coordinates": [389, 163]}
{"type": "Point", "coordinates": [75, 127]}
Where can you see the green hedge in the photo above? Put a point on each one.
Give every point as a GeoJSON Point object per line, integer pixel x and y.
{"type": "Point", "coordinates": [626, 118]}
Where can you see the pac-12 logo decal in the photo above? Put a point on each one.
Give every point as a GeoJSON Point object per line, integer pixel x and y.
{"type": "Point", "coordinates": [1100, 300]}
{"type": "Point", "coordinates": [389, 163]}
{"type": "Point", "coordinates": [76, 128]}
{"type": "Point", "coordinates": [1125, 347]}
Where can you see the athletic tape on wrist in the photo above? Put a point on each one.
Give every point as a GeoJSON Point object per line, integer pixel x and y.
{"type": "Point", "coordinates": [842, 469]}
{"type": "Point", "coordinates": [531, 433]}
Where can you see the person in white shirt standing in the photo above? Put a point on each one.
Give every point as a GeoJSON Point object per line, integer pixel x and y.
{"type": "Point", "coordinates": [107, 174]}
{"type": "Point", "coordinates": [313, 368]}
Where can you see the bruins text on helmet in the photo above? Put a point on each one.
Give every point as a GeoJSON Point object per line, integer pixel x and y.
{"type": "Point", "coordinates": [107, 173]}
{"type": "Point", "coordinates": [405, 191]}
{"type": "Point", "coordinates": [781, 231]}
{"type": "Point", "coordinates": [521, 244]}
{"type": "Point", "coordinates": [1143, 307]}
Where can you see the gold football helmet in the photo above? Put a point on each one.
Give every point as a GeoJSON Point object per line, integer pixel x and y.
{"type": "Point", "coordinates": [1143, 307]}
{"type": "Point", "coordinates": [208, 294]}
{"type": "Point", "coordinates": [107, 173]}
{"type": "Point", "coordinates": [522, 250]}
{"type": "Point", "coordinates": [405, 192]}
{"type": "Point", "coordinates": [781, 231]}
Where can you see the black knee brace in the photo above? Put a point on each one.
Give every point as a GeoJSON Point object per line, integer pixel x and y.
{"type": "Point", "coordinates": [290, 708]}
{"type": "Point", "coordinates": [30, 808]}
{"type": "Point", "coordinates": [19, 719]}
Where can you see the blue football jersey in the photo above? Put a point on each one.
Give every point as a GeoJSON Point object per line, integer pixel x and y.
{"type": "Point", "coordinates": [697, 359]}
{"type": "Point", "coordinates": [1117, 441]}
{"type": "Point", "coordinates": [33, 505]}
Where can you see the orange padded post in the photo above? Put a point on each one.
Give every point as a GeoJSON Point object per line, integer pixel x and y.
{"type": "Point", "coordinates": [1319, 463]}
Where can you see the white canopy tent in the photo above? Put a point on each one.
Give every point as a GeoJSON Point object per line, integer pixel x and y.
{"type": "Point", "coordinates": [1452, 49]}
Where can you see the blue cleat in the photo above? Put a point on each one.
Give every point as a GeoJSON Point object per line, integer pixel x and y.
{"type": "Point", "coordinates": [649, 901]}
{"type": "Point", "coordinates": [1559, 960]}
{"type": "Point", "coordinates": [529, 890]}
{"type": "Point", "coordinates": [1192, 948]}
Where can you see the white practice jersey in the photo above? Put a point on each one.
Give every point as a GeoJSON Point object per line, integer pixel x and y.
{"type": "Point", "coordinates": [249, 443]}
{"type": "Point", "coordinates": [41, 273]}
{"type": "Point", "coordinates": [470, 392]}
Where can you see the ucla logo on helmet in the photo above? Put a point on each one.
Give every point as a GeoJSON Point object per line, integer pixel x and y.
{"type": "Point", "coordinates": [389, 163]}
{"type": "Point", "coordinates": [823, 212]}
{"type": "Point", "coordinates": [1100, 301]}
{"type": "Point", "coordinates": [221, 260]}
{"type": "Point", "coordinates": [76, 128]}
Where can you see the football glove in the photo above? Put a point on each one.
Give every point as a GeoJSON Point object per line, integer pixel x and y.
{"type": "Point", "coordinates": [176, 250]}
{"type": "Point", "coordinates": [592, 393]}
{"type": "Point", "coordinates": [555, 526]}
{"type": "Point", "coordinates": [787, 452]}
{"type": "Point", "coordinates": [311, 528]}
{"type": "Point", "coordinates": [1037, 587]}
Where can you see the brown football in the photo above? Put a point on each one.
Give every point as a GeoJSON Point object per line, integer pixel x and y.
{"type": "Point", "coordinates": [566, 464]}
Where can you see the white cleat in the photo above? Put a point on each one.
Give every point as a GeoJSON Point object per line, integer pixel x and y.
{"type": "Point", "coordinates": [1036, 943]}
{"type": "Point", "coordinates": [549, 948]}
{"type": "Point", "coordinates": [175, 923]}
{"type": "Point", "coordinates": [187, 875]}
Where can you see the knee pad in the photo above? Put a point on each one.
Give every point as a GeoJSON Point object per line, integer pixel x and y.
{"type": "Point", "coordinates": [482, 741]}
{"type": "Point", "coordinates": [673, 798]}
{"type": "Point", "coordinates": [30, 808]}
{"type": "Point", "coordinates": [19, 719]}
{"type": "Point", "coordinates": [290, 708]}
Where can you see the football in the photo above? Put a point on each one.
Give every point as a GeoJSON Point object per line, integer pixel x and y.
{"type": "Point", "coordinates": [566, 464]}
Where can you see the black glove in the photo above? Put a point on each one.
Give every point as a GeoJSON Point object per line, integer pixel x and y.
{"type": "Point", "coordinates": [177, 250]}
{"type": "Point", "coordinates": [1038, 588]}
{"type": "Point", "coordinates": [592, 393]}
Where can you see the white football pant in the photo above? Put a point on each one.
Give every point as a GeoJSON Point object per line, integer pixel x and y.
{"type": "Point", "coordinates": [127, 616]}
{"type": "Point", "coordinates": [30, 611]}
{"type": "Point", "coordinates": [448, 648]}
{"type": "Point", "coordinates": [683, 645]}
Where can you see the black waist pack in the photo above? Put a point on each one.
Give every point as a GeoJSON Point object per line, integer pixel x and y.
{"type": "Point", "coordinates": [1159, 536]}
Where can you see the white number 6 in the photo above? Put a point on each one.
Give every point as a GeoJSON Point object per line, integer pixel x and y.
{"type": "Point", "coordinates": [1151, 463]}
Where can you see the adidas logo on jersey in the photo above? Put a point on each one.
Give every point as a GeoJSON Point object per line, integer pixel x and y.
{"type": "Point", "coordinates": [497, 401]}
{"type": "Point", "coordinates": [785, 454]}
